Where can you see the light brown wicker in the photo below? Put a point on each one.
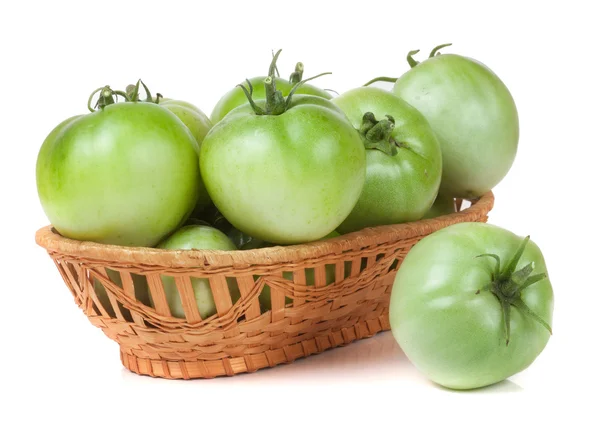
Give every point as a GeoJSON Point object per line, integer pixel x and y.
{"type": "Point", "coordinates": [241, 337]}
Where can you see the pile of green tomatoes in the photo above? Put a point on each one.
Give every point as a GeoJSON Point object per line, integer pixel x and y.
{"type": "Point", "coordinates": [282, 161]}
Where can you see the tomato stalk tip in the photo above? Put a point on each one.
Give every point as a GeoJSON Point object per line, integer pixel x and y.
{"type": "Point", "coordinates": [381, 79]}
{"type": "Point", "coordinates": [106, 97]}
{"type": "Point", "coordinates": [409, 57]}
{"type": "Point", "coordinates": [296, 75]}
{"type": "Point", "coordinates": [377, 135]}
{"type": "Point", "coordinates": [435, 50]}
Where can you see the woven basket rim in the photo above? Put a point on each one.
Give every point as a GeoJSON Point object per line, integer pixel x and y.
{"type": "Point", "coordinates": [53, 242]}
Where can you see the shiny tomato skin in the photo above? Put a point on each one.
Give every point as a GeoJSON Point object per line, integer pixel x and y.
{"type": "Point", "coordinates": [288, 178]}
{"type": "Point", "coordinates": [126, 175]}
{"type": "Point", "coordinates": [199, 125]}
{"type": "Point", "coordinates": [453, 334]}
{"type": "Point", "coordinates": [474, 115]}
{"type": "Point", "coordinates": [398, 188]}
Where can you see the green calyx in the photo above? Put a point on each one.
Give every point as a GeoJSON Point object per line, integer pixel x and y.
{"type": "Point", "coordinates": [106, 96]}
{"type": "Point", "coordinates": [133, 93]}
{"type": "Point", "coordinates": [377, 135]}
{"type": "Point", "coordinates": [508, 284]}
{"type": "Point", "coordinates": [411, 62]}
{"type": "Point", "coordinates": [276, 103]}
{"type": "Point", "coordinates": [435, 51]}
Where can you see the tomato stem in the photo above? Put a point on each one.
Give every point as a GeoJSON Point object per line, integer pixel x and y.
{"type": "Point", "coordinates": [107, 97]}
{"type": "Point", "coordinates": [508, 284]}
{"type": "Point", "coordinates": [380, 79]}
{"type": "Point", "coordinates": [275, 103]}
{"type": "Point", "coordinates": [435, 50]}
{"type": "Point", "coordinates": [288, 100]}
{"type": "Point", "coordinates": [377, 135]}
{"type": "Point", "coordinates": [411, 61]}
{"type": "Point", "coordinates": [248, 92]}
{"type": "Point", "coordinates": [368, 121]}
{"type": "Point", "coordinates": [409, 57]}
{"type": "Point", "coordinates": [148, 94]}
{"type": "Point", "coordinates": [381, 130]}
{"type": "Point", "coordinates": [274, 66]}
{"type": "Point", "coordinates": [296, 75]}
{"type": "Point", "coordinates": [133, 91]}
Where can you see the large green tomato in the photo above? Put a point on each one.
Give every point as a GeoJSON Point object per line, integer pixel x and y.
{"type": "Point", "coordinates": [199, 125]}
{"type": "Point", "coordinates": [474, 116]}
{"type": "Point", "coordinates": [404, 161]}
{"type": "Point", "coordinates": [285, 178]}
{"type": "Point", "coordinates": [126, 174]}
{"type": "Point", "coordinates": [471, 305]}
{"type": "Point", "coordinates": [236, 97]}
{"type": "Point", "coordinates": [198, 238]}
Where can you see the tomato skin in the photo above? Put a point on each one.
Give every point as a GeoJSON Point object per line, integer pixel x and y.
{"type": "Point", "coordinates": [199, 125]}
{"type": "Point", "coordinates": [397, 188]}
{"type": "Point", "coordinates": [449, 332]}
{"type": "Point", "coordinates": [235, 97]}
{"type": "Point", "coordinates": [441, 206]}
{"type": "Point", "coordinates": [474, 116]}
{"type": "Point", "coordinates": [288, 178]}
{"type": "Point", "coordinates": [195, 120]}
{"type": "Point", "coordinates": [200, 238]}
{"type": "Point", "coordinates": [127, 175]}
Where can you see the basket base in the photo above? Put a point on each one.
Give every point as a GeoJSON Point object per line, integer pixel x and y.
{"type": "Point", "coordinates": [231, 366]}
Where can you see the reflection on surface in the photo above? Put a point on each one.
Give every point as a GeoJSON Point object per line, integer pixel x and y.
{"type": "Point", "coordinates": [367, 358]}
{"type": "Point", "coordinates": [366, 361]}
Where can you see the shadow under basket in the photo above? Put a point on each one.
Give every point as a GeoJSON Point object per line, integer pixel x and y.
{"type": "Point", "coordinates": [270, 306]}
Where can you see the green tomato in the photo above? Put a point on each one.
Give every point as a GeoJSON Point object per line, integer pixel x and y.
{"type": "Point", "coordinates": [474, 116]}
{"type": "Point", "coordinates": [404, 160]}
{"type": "Point", "coordinates": [286, 178]}
{"type": "Point", "coordinates": [199, 125]}
{"type": "Point", "coordinates": [236, 97]}
{"type": "Point", "coordinates": [471, 305]}
{"type": "Point", "coordinates": [126, 174]}
{"type": "Point", "coordinates": [441, 206]}
{"type": "Point", "coordinates": [198, 238]}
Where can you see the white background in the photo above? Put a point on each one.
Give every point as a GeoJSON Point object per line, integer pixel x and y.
{"type": "Point", "coordinates": [58, 370]}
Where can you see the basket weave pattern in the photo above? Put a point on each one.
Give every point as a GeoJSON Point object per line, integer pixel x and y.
{"type": "Point", "coordinates": [302, 318]}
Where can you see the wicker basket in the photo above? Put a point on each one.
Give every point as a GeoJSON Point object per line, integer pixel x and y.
{"type": "Point", "coordinates": [302, 320]}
